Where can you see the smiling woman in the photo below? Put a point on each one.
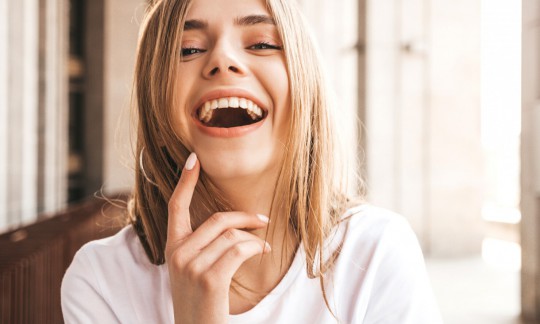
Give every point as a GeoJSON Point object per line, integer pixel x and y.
{"type": "Point", "coordinates": [240, 213]}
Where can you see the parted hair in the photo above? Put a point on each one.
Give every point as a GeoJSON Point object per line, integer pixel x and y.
{"type": "Point", "coordinates": [311, 187]}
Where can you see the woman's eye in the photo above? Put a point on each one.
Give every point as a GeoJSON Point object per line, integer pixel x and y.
{"type": "Point", "coordinates": [191, 50]}
{"type": "Point", "coordinates": [263, 46]}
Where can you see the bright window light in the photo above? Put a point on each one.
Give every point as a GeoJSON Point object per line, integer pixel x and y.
{"type": "Point", "coordinates": [501, 254]}
{"type": "Point", "coordinates": [501, 108]}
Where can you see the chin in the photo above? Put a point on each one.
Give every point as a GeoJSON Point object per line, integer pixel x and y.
{"type": "Point", "coordinates": [234, 165]}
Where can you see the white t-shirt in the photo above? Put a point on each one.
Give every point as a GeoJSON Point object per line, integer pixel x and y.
{"type": "Point", "coordinates": [379, 277]}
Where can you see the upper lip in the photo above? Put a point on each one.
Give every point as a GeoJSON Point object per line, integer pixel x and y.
{"type": "Point", "coordinates": [226, 93]}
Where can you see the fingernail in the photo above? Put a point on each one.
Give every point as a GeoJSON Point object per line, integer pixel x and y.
{"type": "Point", "coordinates": [191, 160]}
{"type": "Point", "coordinates": [263, 218]}
{"type": "Point", "coordinates": [267, 247]}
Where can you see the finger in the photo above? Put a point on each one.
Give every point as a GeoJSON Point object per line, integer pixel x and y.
{"type": "Point", "coordinates": [216, 249]}
{"type": "Point", "coordinates": [228, 264]}
{"type": "Point", "coordinates": [179, 223]}
{"type": "Point", "coordinates": [220, 222]}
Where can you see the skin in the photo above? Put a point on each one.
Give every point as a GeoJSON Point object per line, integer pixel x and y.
{"type": "Point", "coordinates": [202, 263]}
{"type": "Point", "coordinates": [229, 56]}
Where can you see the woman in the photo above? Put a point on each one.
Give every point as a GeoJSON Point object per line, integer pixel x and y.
{"type": "Point", "coordinates": [237, 190]}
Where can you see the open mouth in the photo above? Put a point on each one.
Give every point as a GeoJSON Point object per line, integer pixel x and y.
{"type": "Point", "coordinates": [230, 112]}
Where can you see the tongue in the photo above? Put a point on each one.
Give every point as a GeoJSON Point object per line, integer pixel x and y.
{"type": "Point", "coordinates": [229, 117]}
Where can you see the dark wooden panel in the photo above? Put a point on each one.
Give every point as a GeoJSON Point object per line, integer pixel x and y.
{"type": "Point", "coordinates": [33, 259]}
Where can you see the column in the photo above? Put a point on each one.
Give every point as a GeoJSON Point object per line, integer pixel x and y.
{"type": "Point", "coordinates": [530, 161]}
{"type": "Point", "coordinates": [3, 112]}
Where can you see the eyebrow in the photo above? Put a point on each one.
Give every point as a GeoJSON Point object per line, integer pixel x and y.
{"type": "Point", "coordinates": [254, 20]}
{"type": "Point", "coordinates": [195, 24]}
{"type": "Point", "coordinates": [250, 20]}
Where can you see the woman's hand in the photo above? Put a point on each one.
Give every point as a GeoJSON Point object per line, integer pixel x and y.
{"type": "Point", "coordinates": [202, 263]}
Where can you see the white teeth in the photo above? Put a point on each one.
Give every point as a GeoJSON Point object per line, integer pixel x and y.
{"type": "Point", "coordinates": [207, 109]}
{"type": "Point", "coordinates": [206, 112]}
{"type": "Point", "coordinates": [223, 103]}
{"type": "Point", "coordinates": [252, 115]}
{"type": "Point", "coordinates": [233, 102]}
{"type": "Point", "coordinates": [242, 102]}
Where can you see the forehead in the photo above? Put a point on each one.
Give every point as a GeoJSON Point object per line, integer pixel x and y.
{"type": "Point", "coordinates": [221, 9]}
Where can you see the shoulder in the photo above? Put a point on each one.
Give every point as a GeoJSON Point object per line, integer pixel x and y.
{"type": "Point", "coordinates": [87, 282]}
{"type": "Point", "coordinates": [375, 242]}
{"type": "Point", "coordinates": [372, 238]}
{"type": "Point", "coordinates": [124, 246]}
{"type": "Point", "coordinates": [106, 259]}
{"type": "Point", "coordinates": [371, 225]}
{"type": "Point", "coordinates": [112, 280]}
{"type": "Point", "coordinates": [383, 264]}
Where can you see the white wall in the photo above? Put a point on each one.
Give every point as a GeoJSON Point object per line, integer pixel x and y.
{"type": "Point", "coordinates": [334, 25]}
{"type": "Point", "coordinates": [455, 151]}
{"type": "Point", "coordinates": [122, 19]}
{"type": "Point", "coordinates": [423, 118]}
{"type": "Point", "coordinates": [53, 106]}
{"type": "Point", "coordinates": [18, 147]}
{"type": "Point", "coordinates": [33, 109]}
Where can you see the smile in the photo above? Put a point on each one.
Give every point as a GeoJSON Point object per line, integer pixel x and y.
{"type": "Point", "coordinates": [230, 112]}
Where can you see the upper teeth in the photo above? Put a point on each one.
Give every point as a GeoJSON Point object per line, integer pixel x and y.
{"type": "Point", "coordinates": [231, 102]}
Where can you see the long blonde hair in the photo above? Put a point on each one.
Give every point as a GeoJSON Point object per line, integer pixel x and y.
{"type": "Point", "coordinates": [309, 189]}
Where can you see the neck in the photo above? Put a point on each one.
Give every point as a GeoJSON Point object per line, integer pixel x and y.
{"type": "Point", "coordinates": [249, 194]}
{"type": "Point", "coordinates": [255, 195]}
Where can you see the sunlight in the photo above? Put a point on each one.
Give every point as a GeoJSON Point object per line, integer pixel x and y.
{"type": "Point", "coordinates": [501, 254]}
{"type": "Point", "coordinates": [501, 108]}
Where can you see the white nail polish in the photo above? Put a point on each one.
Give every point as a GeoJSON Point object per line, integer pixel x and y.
{"type": "Point", "coordinates": [263, 218]}
{"type": "Point", "coordinates": [190, 162]}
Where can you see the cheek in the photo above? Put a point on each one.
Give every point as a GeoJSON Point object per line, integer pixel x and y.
{"type": "Point", "coordinates": [279, 81]}
{"type": "Point", "coordinates": [279, 78]}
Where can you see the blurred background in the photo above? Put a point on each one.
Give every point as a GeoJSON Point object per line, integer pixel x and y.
{"type": "Point", "coordinates": [446, 95]}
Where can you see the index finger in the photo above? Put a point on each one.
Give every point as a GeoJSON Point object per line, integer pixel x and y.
{"type": "Point", "coordinates": [179, 220]}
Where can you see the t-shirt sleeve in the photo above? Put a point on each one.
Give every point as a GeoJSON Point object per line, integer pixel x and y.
{"type": "Point", "coordinates": [81, 297]}
{"type": "Point", "coordinates": [401, 291]}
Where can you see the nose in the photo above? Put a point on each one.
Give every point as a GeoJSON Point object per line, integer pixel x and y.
{"type": "Point", "coordinates": [223, 60]}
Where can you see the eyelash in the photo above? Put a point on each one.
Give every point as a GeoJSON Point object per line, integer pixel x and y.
{"type": "Point", "coordinates": [266, 45]}
{"type": "Point", "coordinates": [188, 51]}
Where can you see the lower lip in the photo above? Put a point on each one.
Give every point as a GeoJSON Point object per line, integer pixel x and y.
{"type": "Point", "coordinates": [228, 132]}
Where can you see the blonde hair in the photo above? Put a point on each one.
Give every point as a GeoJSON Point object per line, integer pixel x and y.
{"type": "Point", "coordinates": [309, 188]}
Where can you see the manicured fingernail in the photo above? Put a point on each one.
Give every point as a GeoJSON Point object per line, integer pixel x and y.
{"type": "Point", "coordinates": [263, 218]}
{"type": "Point", "coordinates": [267, 247]}
{"type": "Point", "coordinates": [190, 163]}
